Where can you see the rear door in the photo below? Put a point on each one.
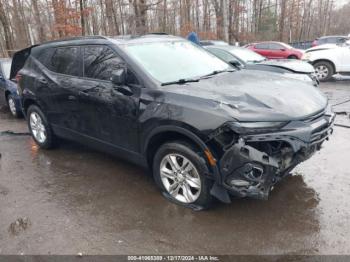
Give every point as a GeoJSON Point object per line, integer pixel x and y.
{"type": "Point", "coordinates": [263, 49]}
{"type": "Point", "coordinates": [59, 86]}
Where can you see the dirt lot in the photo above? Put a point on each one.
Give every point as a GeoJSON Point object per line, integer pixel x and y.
{"type": "Point", "coordinates": [74, 199]}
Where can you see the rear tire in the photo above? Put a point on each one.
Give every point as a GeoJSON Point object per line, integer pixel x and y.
{"type": "Point", "coordinates": [324, 71]}
{"type": "Point", "coordinates": [181, 174]}
{"type": "Point", "coordinates": [40, 128]}
{"type": "Point", "coordinates": [11, 102]}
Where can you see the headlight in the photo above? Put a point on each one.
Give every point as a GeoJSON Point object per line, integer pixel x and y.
{"type": "Point", "coordinates": [256, 127]}
{"type": "Point", "coordinates": [306, 56]}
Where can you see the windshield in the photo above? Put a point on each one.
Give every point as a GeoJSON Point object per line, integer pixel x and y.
{"type": "Point", "coordinates": [6, 68]}
{"type": "Point", "coordinates": [172, 61]}
{"type": "Point", "coordinates": [248, 56]}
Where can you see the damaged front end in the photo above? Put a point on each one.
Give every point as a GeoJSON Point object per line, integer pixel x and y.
{"type": "Point", "coordinates": [253, 157]}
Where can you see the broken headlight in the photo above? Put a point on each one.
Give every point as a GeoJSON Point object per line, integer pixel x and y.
{"type": "Point", "coordinates": [256, 127]}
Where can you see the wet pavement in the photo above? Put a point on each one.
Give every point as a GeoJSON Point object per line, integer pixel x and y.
{"type": "Point", "coordinates": [74, 199]}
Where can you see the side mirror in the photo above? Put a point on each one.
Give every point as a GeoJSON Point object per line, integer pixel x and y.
{"type": "Point", "coordinates": [119, 77]}
{"type": "Point", "coordinates": [236, 64]}
{"type": "Point", "coordinates": [125, 90]}
{"type": "Point", "coordinates": [283, 49]}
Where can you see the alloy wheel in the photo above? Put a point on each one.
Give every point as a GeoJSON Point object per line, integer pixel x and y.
{"type": "Point", "coordinates": [37, 127]}
{"type": "Point", "coordinates": [322, 72]}
{"type": "Point", "coordinates": [180, 178]}
{"type": "Point", "coordinates": [12, 106]}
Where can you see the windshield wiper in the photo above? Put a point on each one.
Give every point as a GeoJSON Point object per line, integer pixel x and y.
{"type": "Point", "coordinates": [188, 80]}
{"type": "Point", "coordinates": [181, 81]}
{"type": "Point", "coordinates": [256, 61]}
{"type": "Point", "coordinates": [216, 72]}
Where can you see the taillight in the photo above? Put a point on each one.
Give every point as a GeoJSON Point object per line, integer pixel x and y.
{"type": "Point", "coordinates": [18, 77]}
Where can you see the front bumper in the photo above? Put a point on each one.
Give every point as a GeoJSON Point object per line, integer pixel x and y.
{"type": "Point", "coordinates": [314, 79]}
{"type": "Point", "coordinates": [253, 165]}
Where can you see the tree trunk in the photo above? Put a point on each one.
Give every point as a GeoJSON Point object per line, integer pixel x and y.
{"type": "Point", "coordinates": [281, 20]}
{"type": "Point", "coordinates": [82, 17]}
{"type": "Point", "coordinates": [7, 30]}
{"type": "Point", "coordinates": [39, 25]}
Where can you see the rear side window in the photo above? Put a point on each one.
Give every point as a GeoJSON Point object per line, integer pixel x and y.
{"type": "Point", "coordinates": [44, 57]}
{"type": "Point", "coordinates": [66, 60]}
{"type": "Point", "coordinates": [274, 46]}
{"type": "Point", "coordinates": [341, 40]}
{"type": "Point", "coordinates": [262, 46]}
{"type": "Point", "coordinates": [100, 62]}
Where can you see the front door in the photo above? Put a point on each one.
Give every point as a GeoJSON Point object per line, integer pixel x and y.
{"type": "Point", "coordinates": [277, 51]}
{"type": "Point", "coordinates": [114, 114]}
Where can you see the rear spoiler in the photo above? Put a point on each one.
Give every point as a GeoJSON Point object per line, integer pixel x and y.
{"type": "Point", "coordinates": [18, 60]}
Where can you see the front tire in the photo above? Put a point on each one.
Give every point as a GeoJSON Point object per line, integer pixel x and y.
{"type": "Point", "coordinates": [11, 102]}
{"type": "Point", "coordinates": [292, 57]}
{"type": "Point", "coordinates": [324, 71]}
{"type": "Point", "coordinates": [39, 127]}
{"type": "Point", "coordinates": [181, 173]}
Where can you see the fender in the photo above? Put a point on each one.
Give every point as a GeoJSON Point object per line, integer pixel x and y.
{"type": "Point", "coordinates": [171, 128]}
{"type": "Point", "coordinates": [28, 98]}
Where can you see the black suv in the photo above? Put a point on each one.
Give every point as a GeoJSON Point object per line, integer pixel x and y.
{"type": "Point", "coordinates": [203, 128]}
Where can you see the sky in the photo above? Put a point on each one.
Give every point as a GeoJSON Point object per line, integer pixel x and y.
{"type": "Point", "coordinates": [339, 3]}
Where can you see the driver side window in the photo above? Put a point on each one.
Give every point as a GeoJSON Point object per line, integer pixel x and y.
{"type": "Point", "coordinates": [101, 61]}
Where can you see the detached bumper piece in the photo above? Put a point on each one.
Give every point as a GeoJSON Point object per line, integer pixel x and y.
{"type": "Point", "coordinates": [253, 165]}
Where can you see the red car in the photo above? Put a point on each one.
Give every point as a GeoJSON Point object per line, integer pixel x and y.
{"type": "Point", "coordinates": [276, 50]}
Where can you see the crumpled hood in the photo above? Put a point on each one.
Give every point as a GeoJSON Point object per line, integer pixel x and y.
{"type": "Point", "coordinates": [291, 64]}
{"type": "Point", "coordinates": [321, 47]}
{"type": "Point", "coordinates": [252, 96]}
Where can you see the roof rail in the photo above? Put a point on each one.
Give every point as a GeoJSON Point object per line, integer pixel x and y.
{"type": "Point", "coordinates": [157, 33]}
{"type": "Point", "coordinates": [75, 38]}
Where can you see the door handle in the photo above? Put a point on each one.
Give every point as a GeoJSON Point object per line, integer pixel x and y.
{"type": "Point", "coordinates": [83, 93]}
{"type": "Point", "coordinates": [43, 80]}
{"type": "Point", "coordinates": [72, 98]}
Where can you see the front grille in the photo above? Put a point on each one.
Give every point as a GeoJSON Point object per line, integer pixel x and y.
{"type": "Point", "coordinates": [323, 127]}
{"type": "Point", "coordinates": [314, 117]}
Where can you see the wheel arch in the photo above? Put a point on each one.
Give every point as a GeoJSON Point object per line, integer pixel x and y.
{"type": "Point", "coordinates": [164, 134]}
{"type": "Point", "coordinates": [328, 61]}
{"type": "Point", "coordinates": [7, 93]}
{"type": "Point", "coordinates": [27, 103]}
